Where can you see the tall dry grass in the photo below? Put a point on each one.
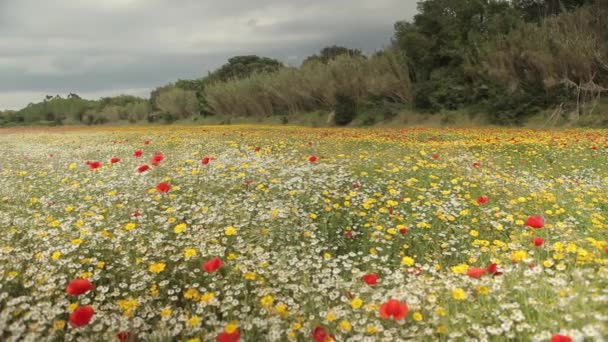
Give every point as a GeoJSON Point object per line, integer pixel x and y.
{"type": "Point", "coordinates": [313, 86]}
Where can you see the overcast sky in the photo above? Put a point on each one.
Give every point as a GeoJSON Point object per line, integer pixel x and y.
{"type": "Point", "coordinates": [107, 47]}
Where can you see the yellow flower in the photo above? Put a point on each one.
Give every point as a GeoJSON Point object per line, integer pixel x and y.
{"type": "Point", "coordinates": [250, 275]}
{"type": "Point", "coordinates": [194, 339]}
{"type": "Point", "coordinates": [282, 309]}
{"type": "Point", "coordinates": [483, 290]}
{"type": "Point", "coordinates": [207, 297]}
{"type": "Point", "coordinates": [230, 231]}
{"type": "Point", "coordinates": [128, 306]}
{"type": "Point", "coordinates": [371, 329]}
{"type": "Point", "coordinates": [59, 324]}
{"type": "Point", "coordinates": [130, 226]}
{"type": "Point", "coordinates": [180, 228]}
{"type": "Point", "coordinates": [193, 321]}
{"type": "Point", "coordinates": [267, 300]}
{"type": "Point", "coordinates": [157, 268]}
{"type": "Point", "coordinates": [407, 261]}
{"type": "Point", "coordinates": [519, 255]}
{"type": "Point", "coordinates": [232, 256]}
{"type": "Point", "coordinates": [474, 233]}
{"type": "Point", "coordinates": [192, 293]}
{"type": "Point", "coordinates": [76, 242]}
{"type": "Point", "coordinates": [231, 327]}
{"type": "Point", "coordinates": [417, 316]}
{"type": "Point", "coordinates": [459, 294]}
{"type": "Point", "coordinates": [166, 312]}
{"type": "Point", "coordinates": [331, 316]}
{"type": "Point", "coordinates": [189, 253]}
{"type": "Point", "coordinates": [86, 275]}
{"type": "Point", "coordinates": [356, 303]}
{"type": "Point", "coordinates": [56, 255]}
{"type": "Point", "coordinates": [312, 216]}
{"type": "Point", "coordinates": [345, 326]}
{"type": "Point", "coordinates": [460, 269]}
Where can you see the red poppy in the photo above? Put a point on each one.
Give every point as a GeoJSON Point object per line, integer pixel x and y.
{"type": "Point", "coordinates": [143, 168]}
{"type": "Point", "coordinates": [228, 337]}
{"type": "Point", "coordinates": [538, 241]}
{"type": "Point", "coordinates": [81, 316]}
{"type": "Point", "coordinates": [348, 234]}
{"type": "Point", "coordinates": [561, 338]}
{"type": "Point", "coordinates": [136, 214]}
{"type": "Point", "coordinates": [403, 230]}
{"type": "Point", "coordinates": [321, 335]}
{"type": "Point", "coordinates": [606, 250]}
{"type": "Point", "coordinates": [356, 185]}
{"type": "Point", "coordinates": [114, 160]}
{"type": "Point", "coordinates": [138, 153]}
{"type": "Point", "coordinates": [395, 309]}
{"type": "Point", "coordinates": [79, 286]}
{"type": "Point", "coordinates": [123, 336]}
{"type": "Point", "coordinates": [163, 187]}
{"type": "Point", "coordinates": [94, 165]}
{"type": "Point", "coordinates": [147, 142]}
{"type": "Point", "coordinates": [535, 222]}
{"type": "Point", "coordinates": [212, 265]}
{"type": "Point", "coordinates": [476, 164]}
{"type": "Point", "coordinates": [157, 158]}
{"type": "Point", "coordinates": [206, 160]}
{"type": "Point", "coordinates": [493, 269]}
{"type": "Point", "coordinates": [313, 159]}
{"type": "Point", "coordinates": [476, 272]}
{"type": "Point", "coordinates": [483, 200]}
{"type": "Point", "coordinates": [257, 149]}
{"type": "Point", "coordinates": [370, 279]}
{"type": "Point", "coordinates": [436, 156]}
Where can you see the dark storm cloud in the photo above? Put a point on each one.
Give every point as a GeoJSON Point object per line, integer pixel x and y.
{"type": "Point", "coordinates": [108, 47]}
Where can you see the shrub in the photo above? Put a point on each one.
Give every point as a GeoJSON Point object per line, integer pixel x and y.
{"type": "Point", "coordinates": [346, 109]}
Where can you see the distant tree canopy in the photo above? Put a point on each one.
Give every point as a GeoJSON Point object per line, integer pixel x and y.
{"type": "Point", "coordinates": [330, 53]}
{"type": "Point", "coordinates": [239, 67]}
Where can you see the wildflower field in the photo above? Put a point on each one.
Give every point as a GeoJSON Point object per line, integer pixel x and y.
{"type": "Point", "coordinates": [300, 234]}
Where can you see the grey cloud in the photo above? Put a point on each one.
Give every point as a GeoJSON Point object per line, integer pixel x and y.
{"type": "Point", "coordinates": [109, 46]}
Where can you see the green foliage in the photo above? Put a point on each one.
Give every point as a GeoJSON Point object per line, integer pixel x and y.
{"type": "Point", "coordinates": [441, 45]}
{"type": "Point", "coordinates": [346, 109]}
{"type": "Point", "coordinates": [239, 67]}
{"type": "Point", "coordinates": [330, 53]}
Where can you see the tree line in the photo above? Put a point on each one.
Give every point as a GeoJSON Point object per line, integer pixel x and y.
{"type": "Point", "coordinates": [506, 60]}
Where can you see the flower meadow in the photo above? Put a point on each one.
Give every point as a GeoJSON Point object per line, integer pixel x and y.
{"type": "Point", "coordinates": [300, 234]}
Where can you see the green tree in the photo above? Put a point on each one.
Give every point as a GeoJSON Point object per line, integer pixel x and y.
{"type": "Point", "coordinates": [239, 67]}
{"type": "Point", "coordinates": [441, 45]}
{"type": "Point", "coordinates": [330, 53]}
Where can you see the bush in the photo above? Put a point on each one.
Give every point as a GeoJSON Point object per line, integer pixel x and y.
{"type": "Point", "coordinates": [346, 109]}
